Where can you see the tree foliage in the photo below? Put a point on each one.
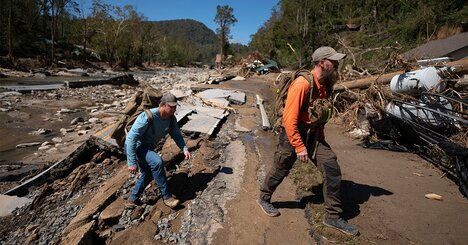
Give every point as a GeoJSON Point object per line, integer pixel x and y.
{"type": "Point", "coordinates": [297, 27]}
{"type": "Point", "coordinates": [52, 30]}
{"type": "Point", "coordinates": [225, 19]}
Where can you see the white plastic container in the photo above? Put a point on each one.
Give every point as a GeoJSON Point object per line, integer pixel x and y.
{"type": "Point", "coordinates": [419, 115]}
{"type": "Point", "coordinates": [416, 82]}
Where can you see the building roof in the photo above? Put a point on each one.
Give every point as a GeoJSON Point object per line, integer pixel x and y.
{"type": "Point", "coordinates": [440, 48]}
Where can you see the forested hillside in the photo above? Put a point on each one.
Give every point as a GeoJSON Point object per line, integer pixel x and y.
{"type": "Point", "coordinates": [121, 36]}
{"type": "Point", "coordinates": [372, 32]}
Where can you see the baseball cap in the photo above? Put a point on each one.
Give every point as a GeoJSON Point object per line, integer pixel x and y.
{"type": "Point", "coordinates": [326, 53]}
{"type": "Point", "coordinates": [169, 99]}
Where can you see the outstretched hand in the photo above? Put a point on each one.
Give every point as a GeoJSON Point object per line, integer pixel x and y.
{"type": "Point", "coordinates": [187, 155]}
{"type": "Point", "coordinates": [302, 156]}
{"type": "Point", "coordinates": [133, 169]}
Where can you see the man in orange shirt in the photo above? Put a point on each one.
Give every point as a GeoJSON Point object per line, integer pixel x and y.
{"type": "Point", "coordinates": [302, 138]}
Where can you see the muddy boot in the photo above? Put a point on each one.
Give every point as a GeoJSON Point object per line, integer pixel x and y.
{"type": "Point", "coordinates": [341, 225]}
{"type": "Point", "coordinates": [171, 202]}
{"type": "Point", "coordinates": [267, 207]}
{"type": "Point", "coordinates": [129, 204]}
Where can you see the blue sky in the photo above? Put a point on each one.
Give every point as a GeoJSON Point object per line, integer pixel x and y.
{"type": "Point", "coordinates": [250, 14]}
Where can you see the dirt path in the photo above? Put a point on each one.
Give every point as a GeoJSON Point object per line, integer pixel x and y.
{"type": "Point", "coordinates": [246, 223]}
{"type": "Point", "coordinates": [384, 193]}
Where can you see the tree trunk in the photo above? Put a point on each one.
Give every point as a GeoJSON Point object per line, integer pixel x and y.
{"type": "Point", "coordinates": [461, 68]}
{"type": "Point", "coordinates": [85, 35]}
{"type": "Point", "coordinates": [52, 31]}
{"type": "Point", "coordinates": [10, 34]}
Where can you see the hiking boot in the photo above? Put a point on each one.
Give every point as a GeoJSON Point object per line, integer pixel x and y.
{"type": "Point", "coordinates": [341, 225]}
{"type": "Point", "coordinates": [171, 202]}
{"type": "Point", "coordinates": [268, 208]}
{"type": "Point", "coordinates": [133, 204]}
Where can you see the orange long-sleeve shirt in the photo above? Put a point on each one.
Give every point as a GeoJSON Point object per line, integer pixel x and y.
{"type": "Point", "coordinates": [295, 111]}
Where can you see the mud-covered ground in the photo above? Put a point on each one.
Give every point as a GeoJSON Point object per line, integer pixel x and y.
{"type": "Point", "coordinates": [383, 192]}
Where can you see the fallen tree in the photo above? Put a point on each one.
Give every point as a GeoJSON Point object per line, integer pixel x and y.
{"type": "Point", "coordinates": [461, 67]}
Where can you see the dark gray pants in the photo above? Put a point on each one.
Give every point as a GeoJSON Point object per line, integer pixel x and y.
{"type": "Point", "coordinates": [326, 161]}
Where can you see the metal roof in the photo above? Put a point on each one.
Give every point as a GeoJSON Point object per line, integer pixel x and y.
{"type": "Point", "coordinates": [440, 48]}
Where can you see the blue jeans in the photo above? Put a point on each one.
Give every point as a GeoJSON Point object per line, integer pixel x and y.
{"type": "Point", "coordinates": [151, 167]}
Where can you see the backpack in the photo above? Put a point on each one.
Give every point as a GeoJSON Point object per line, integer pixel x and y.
{"type": "Point", "coordinates": [141, 101]}
{"type": "Point", "coordinates": [283, 81]}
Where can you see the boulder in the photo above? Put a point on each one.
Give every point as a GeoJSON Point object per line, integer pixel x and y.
{"type": "Point", "coordinates": [112, 213]}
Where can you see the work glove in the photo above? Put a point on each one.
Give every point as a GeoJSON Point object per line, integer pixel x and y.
{"type": "Point", "coordinates": [320, 111]}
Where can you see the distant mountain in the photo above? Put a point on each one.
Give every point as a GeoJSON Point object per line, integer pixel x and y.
{"type": "Point", "coordinates": [187, 30]}
{"type": "Point", "coordinates": [200, 42]}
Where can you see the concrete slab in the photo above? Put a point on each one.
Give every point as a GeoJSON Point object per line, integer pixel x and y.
{"type": "Point", "coordinates": [202, 124]}
{"type": "Point", "coordinates": [234, 96]}
{"type": "Point", "coordinates": [220, 102]}
{"type": "Point", "coordinates": [182, 112]}
{"type": "Point", "coordinates": [10, 203]}
{"type": "Point", "coordinates": [29, 88]}
{"type": "Point", "coordinates": [203, 110]}
{"type": "Point", "coordinates": [179, 93]}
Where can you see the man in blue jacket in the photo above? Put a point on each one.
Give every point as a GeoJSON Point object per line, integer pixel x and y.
{"type": "Point", "coordinates": [140, 144]}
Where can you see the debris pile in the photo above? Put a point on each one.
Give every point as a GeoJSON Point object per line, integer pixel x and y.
{"type": "Point", "coordinates": [81, 199]}
{"type": "Point", "coordinates": [254, 63]}
{"type": "Point", "coordinates": [422, 110]}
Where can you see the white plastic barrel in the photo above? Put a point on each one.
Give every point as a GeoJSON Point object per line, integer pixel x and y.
{"type": "Point", "coordinates": [415, 82]}
{"type": "Point", "coordinates": [416, 114]}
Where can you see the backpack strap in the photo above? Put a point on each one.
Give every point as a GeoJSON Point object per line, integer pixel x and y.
{"type": "Point", "coordinates": [150, 120]}
{"type": "Point", "coordinates": [309, 77]}
{"type": "Point", "coordinates": [149, 115]}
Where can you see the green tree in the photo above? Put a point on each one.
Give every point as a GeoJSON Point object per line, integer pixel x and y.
{"type": "Point", "coordinates": [225, 19]}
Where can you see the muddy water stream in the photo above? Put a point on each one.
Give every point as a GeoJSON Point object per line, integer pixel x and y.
{"type": "Point", "coordinates": [30, 114]}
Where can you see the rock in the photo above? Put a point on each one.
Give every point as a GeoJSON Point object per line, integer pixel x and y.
{"type": "Point", "coordinates": [137, 212]}
{"type": "Point", "coordinates": [46, 143]}
{"type": "Point", "coordinates": [105, 234]}
{"type": "Point", "coordinates": [32, 238]}
{"type": "Point", "coordinates": [2, 75]}
{"type": "Point", "coordinates": [44, 148]}
{"type": "Point", "coordinates": [57, 140]}
{"type": "Point", "coordinates": [52, 151]}
{"type": "Point", "coordinates": [97, 202]}
{"type": "Point", "coordinates": [40, 75]}
{"type": "Point", "coordinates": [31, 144]}
{"type": "Point", "coordinates": [5, 109]}
{"type": "Point", "coordinates": [81, 235]}
{"type": "Point", "coordinates": [156, 216]}
{"type": "Point", "coordinates": [76, 120]}
{"type": "Point", "coordinates": [31, 228]}
{"type": "Point", "coordinates": [65, 110]}
{"type": "Point", "coordinates": [94, 120]}
{"type": "Point", "coordinates": [117, 228]}
{"type": "Point", "coordinates": [107, 161]}
{"type": "Point", "coordinates": [10, 93]}
{"type": "Point", "coordinates": [112, 213]}
{"type": "Point", "coordinates": [82, 132]}
{"type": "Point", "coordinates": [40, 131]}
